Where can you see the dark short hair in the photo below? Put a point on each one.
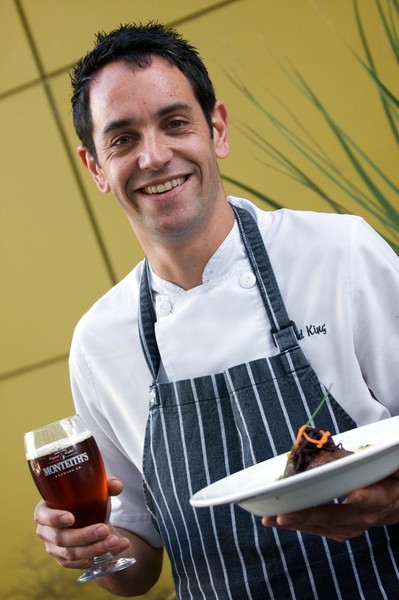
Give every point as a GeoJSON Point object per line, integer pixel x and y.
{"type": "Point", "coordinates": [137, 44]}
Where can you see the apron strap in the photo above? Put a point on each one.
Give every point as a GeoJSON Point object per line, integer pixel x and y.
{"type": "Point", "coordinates": [283, 330]}
{"type": "Point", "coordinates": [147, 319]}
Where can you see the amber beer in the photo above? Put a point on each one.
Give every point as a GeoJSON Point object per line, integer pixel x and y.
{"type": "Point", "coordinates": [70, 475]}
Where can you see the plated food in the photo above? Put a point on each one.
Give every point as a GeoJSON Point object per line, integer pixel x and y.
{"type": "Point", "coordinates": [261, 490]}
{"type": "Point", "coordinates": [313, 448]}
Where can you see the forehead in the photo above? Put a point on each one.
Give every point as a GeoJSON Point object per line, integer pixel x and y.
{"type": "Point", "coordinates": [123, 86]}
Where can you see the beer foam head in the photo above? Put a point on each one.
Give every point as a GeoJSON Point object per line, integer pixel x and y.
{"type": "Point", "coordinates": [32, 452]}
{"type": "Point", "coordinates": [55, 437]}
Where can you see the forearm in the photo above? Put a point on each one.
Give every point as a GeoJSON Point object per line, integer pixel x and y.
{"type": "Point", "coordinates": [142, 575]}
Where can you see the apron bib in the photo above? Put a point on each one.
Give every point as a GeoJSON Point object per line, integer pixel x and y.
{"type": "Point", "coordinates": [200, 430]}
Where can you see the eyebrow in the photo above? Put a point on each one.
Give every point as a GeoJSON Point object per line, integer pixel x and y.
{"type": "Point", "coordinates": [163, 111]}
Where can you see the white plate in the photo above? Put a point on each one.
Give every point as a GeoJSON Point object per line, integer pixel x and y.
{"type": "Point", "coordinates": [258, 490]}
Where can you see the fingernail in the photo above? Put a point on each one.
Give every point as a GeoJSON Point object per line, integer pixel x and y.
{"type": "Point", "coordinates": [101, 532]}
{"type": "Point", "coordinates": [112, 540]}
{"type": "Point", "coordinates": [66, 520]}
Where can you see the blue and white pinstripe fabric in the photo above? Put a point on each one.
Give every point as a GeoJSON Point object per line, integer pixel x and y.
{"type": "Point", "coordinates": [203, 429]}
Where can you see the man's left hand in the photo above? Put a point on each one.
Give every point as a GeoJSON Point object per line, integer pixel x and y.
{"type": "Point", "coordinates": [373, 506]}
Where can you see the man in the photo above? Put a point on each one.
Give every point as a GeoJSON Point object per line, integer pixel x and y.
{"type": "Point", "coordinates": [207, 357]}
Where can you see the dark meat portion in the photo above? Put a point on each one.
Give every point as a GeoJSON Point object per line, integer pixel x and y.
{"type": "Point", "coordinates": [307, 455]}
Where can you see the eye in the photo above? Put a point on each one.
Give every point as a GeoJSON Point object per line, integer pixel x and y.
{"type": "Point", "coordinates": [176, 123]}
{"type": "Point", "coordinates": [122, 140]}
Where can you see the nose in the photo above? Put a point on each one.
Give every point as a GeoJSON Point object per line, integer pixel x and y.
{"type": "Point", "coordinates": [154, 152]}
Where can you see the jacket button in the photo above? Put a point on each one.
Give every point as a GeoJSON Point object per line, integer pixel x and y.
{"type": "Point", "coordinates": [164, 307]}
{"type": "Point", "coordinates": [247, 280]}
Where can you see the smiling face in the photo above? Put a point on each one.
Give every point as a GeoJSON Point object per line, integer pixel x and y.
{"type": "Point", "coordinates": [155, 152]}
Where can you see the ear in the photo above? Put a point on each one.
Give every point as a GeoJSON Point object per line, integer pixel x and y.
{"type": "Point", "coordinates": [220, 130]}
{"type": "Point", "coordinates": [96, 171]}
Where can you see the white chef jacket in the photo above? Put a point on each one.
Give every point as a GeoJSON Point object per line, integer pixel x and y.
{"type": "Point", "coordinates": [340, 284]}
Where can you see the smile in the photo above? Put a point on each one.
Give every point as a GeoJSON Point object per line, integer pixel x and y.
{"type": "Point", "coordinates": [164, 187]}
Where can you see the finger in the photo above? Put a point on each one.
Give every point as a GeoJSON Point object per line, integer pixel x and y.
{"type": "Point", "coordinates": [374, 496]}
{"type": "Point", "coordinates": [44, 515]}
{"type": "Point", "coordinates": [74, 547]}
{"type": "Point", "coordinates": [69, 538]}
{"type": "Point", "coordinates": [334, 521]}
{"type": "Point", "coordinates": [80, 557]}
{"type": "Point", "coordinates": [269, 521]}
{"type": "Point", "coordinates": [115, 486]}
{"type": "Point", "coordinates": [67, 557]}
{"type": "Point", "coordinates": [379, 503]}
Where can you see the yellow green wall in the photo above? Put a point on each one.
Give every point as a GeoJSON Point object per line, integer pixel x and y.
{"type": "Point", "coordinates": [62, 244]}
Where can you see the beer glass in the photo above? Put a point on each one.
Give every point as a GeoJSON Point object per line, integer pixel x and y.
{"type": "Point", "coordinates": [69, 472]}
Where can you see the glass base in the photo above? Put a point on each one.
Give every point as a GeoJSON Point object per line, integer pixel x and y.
{"type": "Point", "coordinates": [105, 565]}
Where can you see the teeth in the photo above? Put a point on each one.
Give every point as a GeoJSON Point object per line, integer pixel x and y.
{"type": "Point", "coordinates": [163, 187]}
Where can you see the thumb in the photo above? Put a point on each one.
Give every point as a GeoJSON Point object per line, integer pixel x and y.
{"type": "Point", "coordinates": [115, 486]}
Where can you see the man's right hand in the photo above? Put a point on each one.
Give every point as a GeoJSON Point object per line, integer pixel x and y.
{"type": "Point", "coordinates": [75, 548]}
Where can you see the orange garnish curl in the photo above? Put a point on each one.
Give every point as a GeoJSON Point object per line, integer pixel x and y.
{"type": "Point", "coordinates": [319, 443]}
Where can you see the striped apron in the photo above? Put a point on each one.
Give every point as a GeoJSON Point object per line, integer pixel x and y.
{"type": "Point", "coordinates": [206, 428]}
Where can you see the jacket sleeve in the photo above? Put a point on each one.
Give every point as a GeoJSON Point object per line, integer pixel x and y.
{"type": "Point", "coordinates": [375, 278]}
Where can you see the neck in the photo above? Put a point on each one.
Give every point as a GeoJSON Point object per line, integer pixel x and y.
{"type": "Point", "coordinates": [184, 264]}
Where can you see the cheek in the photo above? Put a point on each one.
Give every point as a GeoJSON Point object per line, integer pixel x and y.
{"type": "Point", "coordinates": [119, 175]}
{"type": "Point", "coordinates": [206, 158]}
{"type": "Point", "coordinates": [212, 168]}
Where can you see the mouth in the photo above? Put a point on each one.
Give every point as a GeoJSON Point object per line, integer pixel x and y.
{"type": "Point", "coordinates": [166, 186]}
